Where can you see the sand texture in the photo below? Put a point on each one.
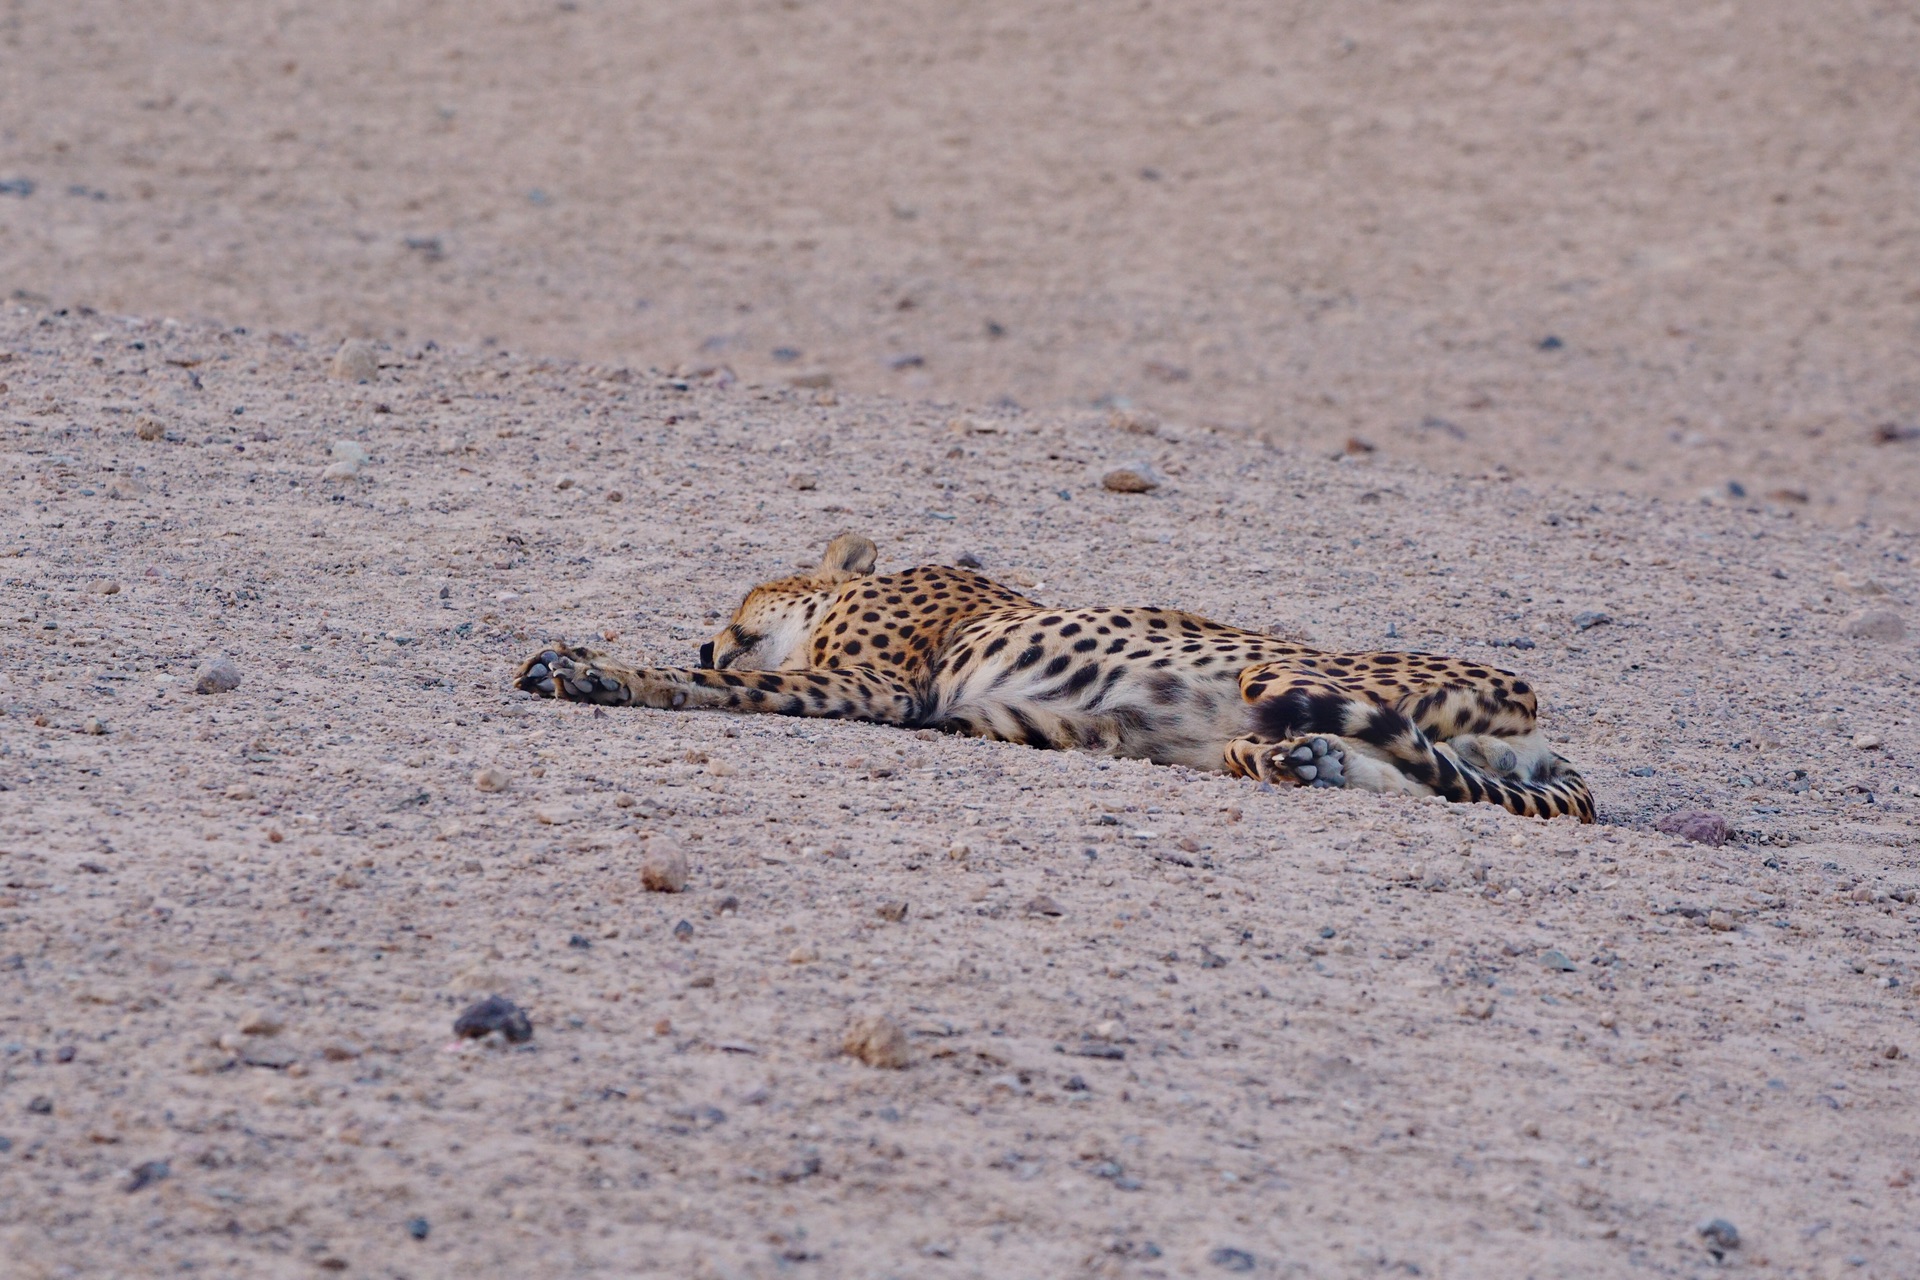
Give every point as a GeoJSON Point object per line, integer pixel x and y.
{"type": "Point", "coordinates": [1655, 246]}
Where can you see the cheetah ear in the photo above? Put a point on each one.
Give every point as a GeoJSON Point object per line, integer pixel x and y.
{"type": "Point", "coordinates": [849, 556]}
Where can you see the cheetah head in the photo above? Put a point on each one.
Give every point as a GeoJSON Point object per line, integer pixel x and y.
{"type": "Point", "coordinates": [770, 628]}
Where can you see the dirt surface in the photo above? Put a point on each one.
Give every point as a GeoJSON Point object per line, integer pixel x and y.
{"type": "Point", "coordinates": [1664, 248]}
{"type": "Point", "coordinates": [1156, 1022]}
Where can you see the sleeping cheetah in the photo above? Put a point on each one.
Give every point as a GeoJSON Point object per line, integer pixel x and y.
{"type": "Point", "coordinates": [949, 649]}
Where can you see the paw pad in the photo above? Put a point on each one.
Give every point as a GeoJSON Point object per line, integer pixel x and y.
{"type": "Point", "coordinates": [1316, 762]}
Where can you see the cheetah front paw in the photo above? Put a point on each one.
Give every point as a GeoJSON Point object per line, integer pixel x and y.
{"type": "Point", "coordinates": [571, 674]}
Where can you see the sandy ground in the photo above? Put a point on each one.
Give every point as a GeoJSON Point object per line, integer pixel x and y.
{"type": "Point", "coordinates": [1278, 1033]}
{"type": "Point", "coordinates": [1447, 326]}
{"type": "Point", "coordinates": [1661, 247]}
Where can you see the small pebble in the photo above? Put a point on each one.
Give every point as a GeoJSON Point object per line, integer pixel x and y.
{"type": "Point", "coordinates": [894, 911]}
{"type": "Point", "coordinates": [218, 676]}
{"type": "Point", "coordinates": [1697, 825]}
{"type": "Point", "coordinates": [495, 1013]}
{"type": "Point", "coordinates": [1129, 480]}
{"type": "Point", "coordinates": [555, 815]}
{"type": "Point", "coordinates": [93, 726]}
{"type": "Point", "coordinates": [1042, 905]}
{"type": "Point", "coordinates": [145, 1175]}
{"type": "Point", "coordinates": [1590, 619]}
{"type": "Point", "coordinates": [418, 1228]}
{"type": "Point", "coordinates": [683, 932]}
{"type": "Point", "coordinates": [149, 428]}
{"type": "Point", "coordinates": [1721, 1236]}
{"type": "Point", "coordinates": [803, 954]}
{"type": "Point", "coordinates": [492, 778]}
{"type": "Point", "coordinates": [663, 868]}
{"type": "Point", "coordinates": [1232, 1259]}
{"type": "Point", "coordinates": [262, 1022]}
{"type": "Point", "coordinates": [1866, 741]}
{"type": "Point", "coordinates": [1876, 624]}
{"type": "Point", "coordinates": [107, 587]}
{"type": "Point", "coordinates": [355, 362]}
{"type": "Point", "coordinates": [878, 1041]}
{"type": "Point", "coordinates": [1558, 960]}
{"type": "Point", "coordinates": [122, 488]}
{"type": "Point", "coordinates": [803, 480]}
{"type": "Point", "coordinates": [1720, 922]}
{"type": "Point", "coordinates": [338, 472]}
{"type": "Point", "coordinates": [240, 791]}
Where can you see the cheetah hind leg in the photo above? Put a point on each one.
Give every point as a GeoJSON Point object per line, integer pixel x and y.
{"type": "Point", "coordinates": [1319, 760]}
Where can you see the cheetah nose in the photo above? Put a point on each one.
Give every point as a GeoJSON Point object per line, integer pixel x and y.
{"type": "Point", "coordinates": [706, 656]}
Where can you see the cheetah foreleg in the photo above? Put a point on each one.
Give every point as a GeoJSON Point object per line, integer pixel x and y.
{"type": "Point", "coordinates": [581, 675]}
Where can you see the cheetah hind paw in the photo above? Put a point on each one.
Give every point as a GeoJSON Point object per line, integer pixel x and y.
{"type": "Point", "coordinates": [1312, 762]}
{"type": "Point", "coordinates": [1487, 753]}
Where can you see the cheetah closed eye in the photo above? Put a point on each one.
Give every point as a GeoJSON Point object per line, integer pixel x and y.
{"type": "Point", "coordinates": [944, 648]}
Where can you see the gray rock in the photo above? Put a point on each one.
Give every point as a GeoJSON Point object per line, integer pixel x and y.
{"type": "Point", "coordinates": [217, 676]}
{"type": "Point", "coordinates": [145, 1175]}
{"type": "Point", "coordinates": [495, 1013]}
{"type": "Point", "coordinates": [1231, 1259]}
{"type": "Point", "coordinates": [1721, 1236]}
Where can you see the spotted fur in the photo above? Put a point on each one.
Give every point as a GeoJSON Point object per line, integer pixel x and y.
{"type": "Point", "coordinates": [945, 648]}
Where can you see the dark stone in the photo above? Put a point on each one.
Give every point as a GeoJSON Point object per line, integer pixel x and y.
{"type": "Point", "coordinates": [418, 1228]}
{"type": "Point", "coordinates": [1722, 1237]}
{"type": "Point", "coordinates": [1231, 1259]}
{"type": "Point", "coordinates": [1551, 343]}
{"type": "Point", "coordinates": [490, 1015]}
{"type": "Point", "coordinates": [145, 1175]}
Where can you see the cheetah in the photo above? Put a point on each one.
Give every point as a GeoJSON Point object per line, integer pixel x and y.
{"type": "Point", "coordinates": [948, 649]}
